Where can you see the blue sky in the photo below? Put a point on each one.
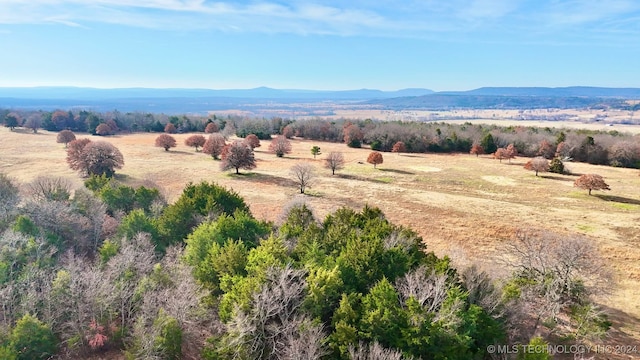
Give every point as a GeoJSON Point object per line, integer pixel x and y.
{"type": "Point", "coordinates": [332, 45]}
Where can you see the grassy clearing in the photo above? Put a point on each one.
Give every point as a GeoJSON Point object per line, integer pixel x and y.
{"type": "Point", "coordinates": [462, 205]}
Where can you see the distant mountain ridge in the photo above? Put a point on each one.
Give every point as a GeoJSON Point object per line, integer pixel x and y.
{"type": "Point", "coordinates": [205, 100]}
{"type": "Point", "coordinates": [80, 93]}
{"type": "Point", "coordinates": [571, 91]}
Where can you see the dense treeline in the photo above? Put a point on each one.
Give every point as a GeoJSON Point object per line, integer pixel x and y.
{"type": "Point", "coordinates": [595, 147]}
{"type": "Point", "coordinates": [115, 268]}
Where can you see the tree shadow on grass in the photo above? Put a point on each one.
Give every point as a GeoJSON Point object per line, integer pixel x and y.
{"type": "Point", "coordinates": [360, 178]}
{"type": "Point", "coordinates": [618, 199]}
{"type": "Point", "coordinates": [264, 179]}
{"type": "Point", "coordinates": [555, 177]}
{"type": "Point", "coordinates": [403, 172]}
{"type": "Point", "coordinates": [617, 334]}
{"type": "Point", "coordinates": [179, 152]}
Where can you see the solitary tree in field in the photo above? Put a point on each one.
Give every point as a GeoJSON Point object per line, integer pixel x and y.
{"type": "Point", "coordinates": [334, 161]}
{"type": "Point", "coordinates": [195, 141]}
{"type": "Point", "coordinates": [315, 151]}
{"type": "Point", "coordinates": [303, 175]}
{"type": "Point", "coordinates": [253, 141]}
{"type": "Point", "coordinates": [214, 145]}
{"type": "Point", "coordinates": [511, 152]}
{"type": "Point", "coordinates": [476, 150]}
{"type": "Point", "coordinates": [170, 128]}
{"type": "Point", "coordinates": [591, 182]}
{"type": "Point", "coordinates": [280, 146]}
{"type": "Point", "coordinates": [34, 122]}
{"type": "Point", "coordinates": [238, 155]}
{"type": "Point", "coordinates": [211, 128]}
{"type": "Point", "coordinates": [537, 164]}
{"type": "Point", "coordinates": [165, 141]}
{"type": "Point", "coordinates": [11, 120]}
{"type": "Point", "coordinates": [500, 154]}
{"type": "Point", "coordinates": [65, 137]}
{"type": "Point", "coordinates": [375, 158]}
{"type": "Point", "coordinates": [399, 147]}
{"type": "Point", "coordinates": [94, 158]}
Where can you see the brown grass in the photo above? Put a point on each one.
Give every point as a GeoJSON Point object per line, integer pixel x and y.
{"type": "Point", "coordinates": [461, 205]}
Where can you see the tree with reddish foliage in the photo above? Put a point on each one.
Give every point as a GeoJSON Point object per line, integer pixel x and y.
{"type": "Point", "coordinates": [511, 152]}
{"type": "Point", "coordinates": [353, 136]}
{"type": "Point", "coordinates": [214, 145]}
{"type": "Point", "coordinates": [288, 131]}
{"type": "Point", "coordinates": [170, 128]}
{"type": "Point", "coordinates": [537, 164]}
{"type": "Point", "coordinates": [165, 141]}
{"type": "Point", "coordinates": [61, 119]}
{"type": "Point", "coordinates": [591, 182]}
{"type": "Point", "coordinates": [476, 150]}
{"type": "Point", "coordinates": [563, 151]}
{"type": "Point", "coordinates": [195, 141]}
{"type": "Point", "coordinates": [65, 137]}
{"type": "Point", "coordinates": [280, 146]}
{"type": "Point", "coordinates": [546, 150]}
{"type": "Point", "coordinates": [334, 161]}
{"type": "Point", "coordinates": [94, 158]}
{"type": "Point", "coordinates": [211, 128]}
{"type": "Point", "coordinates": [500, 154]}
{"type": "Point", "coordinates": [375, 158]}
{"type": "Point", "coordinates": [238, 155]}
{"type": "Point", "coordinates": [399, 147]}
{"type": "Point", "coordinates": [103, 129]}
{"type": "Point", "coordinates": [253, 141]}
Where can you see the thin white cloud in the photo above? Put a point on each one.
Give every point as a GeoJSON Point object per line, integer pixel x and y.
{"type": "Point", "coordinates": [410, 18]}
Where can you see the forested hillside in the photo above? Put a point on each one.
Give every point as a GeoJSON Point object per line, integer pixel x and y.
{"type": "Point", "coordinates": [112, 268]}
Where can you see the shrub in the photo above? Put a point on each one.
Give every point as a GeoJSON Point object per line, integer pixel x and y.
{"type": "Point", "coordinates": [556, 166]}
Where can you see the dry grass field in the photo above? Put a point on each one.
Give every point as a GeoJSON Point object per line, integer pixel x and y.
{"type": "Point", "coordinates": [463, 206]}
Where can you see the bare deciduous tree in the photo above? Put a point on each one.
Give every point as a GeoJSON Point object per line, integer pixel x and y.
{"type": "Point", "coordinates": [538, 164]}
{"type": "Point", "coordinates": [334, 161]}
{"type": "Point", "coordinates": [49, 188]}
{"type": "Point", "coordinates": [591, 182]}
{"type": "Point", "coordinates": [9, 198]}
{"type": "Point", "coordinates": [280, 146]}
{"type": "Point", "coordinates": [34, 122]}
{"type": "Point", "coordinates": [555, 271]}
{"type": "Point", "coordinates": [237, 156]}
{"type": "Point", "coordinates": [374, 351]}
{"type": "Point", "coordinates": [262, 331]}
{"type": "Point", "coordinates": [303, 175]}
{"type": "Point", "coordinates": [429, 289]}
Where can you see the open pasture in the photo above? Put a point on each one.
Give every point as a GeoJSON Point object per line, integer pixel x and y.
{"type": "Point", "coordinates": [462, 205]}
